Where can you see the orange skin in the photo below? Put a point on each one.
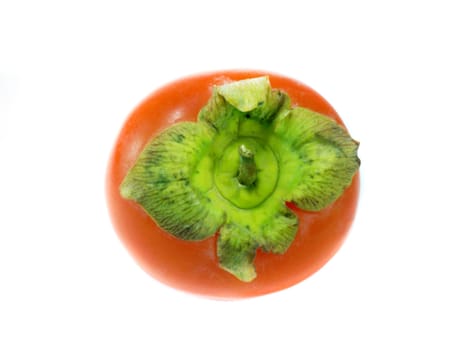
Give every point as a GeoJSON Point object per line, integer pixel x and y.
{"type": "Point", "coordinates": [192, 266]}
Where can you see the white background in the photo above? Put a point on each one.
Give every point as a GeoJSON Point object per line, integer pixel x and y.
{"type": "Point", "coordinates": [71, 72]}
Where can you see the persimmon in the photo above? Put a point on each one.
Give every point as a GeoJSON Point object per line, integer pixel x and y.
{"type": "Point", "coordinates": [233, 184]}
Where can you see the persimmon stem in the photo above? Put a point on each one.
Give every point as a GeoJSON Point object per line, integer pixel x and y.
{"type": "Point", "coordinates": [247, 167]}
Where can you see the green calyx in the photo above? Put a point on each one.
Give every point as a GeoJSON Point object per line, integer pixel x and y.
{"type": "Point", "coordinates": [234, 169]}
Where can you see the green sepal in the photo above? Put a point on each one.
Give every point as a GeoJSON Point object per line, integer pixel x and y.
{"type": "Point", "coordinates": [273, 231]}
{"type": "Point", "coordinates": [278, 233]}
{"type": "Point", "coordinates": [252, 98]}
{"type": "Point", "coordinates": [323, 157]}
{"type": "Point", "coordinates": [219, 114]}
{"type": "Point", "coordinates": [236, 250]}
{"type": "Point", "coordinates": [253, 95]}
{"type": "Point", "coordinates": [161, 182]}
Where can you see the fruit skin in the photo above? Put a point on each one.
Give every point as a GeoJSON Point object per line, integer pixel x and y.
{"type": "Point", "coordinates": [192, 266]}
